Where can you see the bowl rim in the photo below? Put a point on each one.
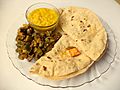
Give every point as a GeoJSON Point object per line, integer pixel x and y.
{"type": "Point", "coordinates": [57, 11]}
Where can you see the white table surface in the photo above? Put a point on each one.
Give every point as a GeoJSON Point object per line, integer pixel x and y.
{"type": "Point", "coordinates": [11, 79]}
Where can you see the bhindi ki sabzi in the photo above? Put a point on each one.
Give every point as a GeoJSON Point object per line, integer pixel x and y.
{"type": "Point", "coordinates": [32, 45]}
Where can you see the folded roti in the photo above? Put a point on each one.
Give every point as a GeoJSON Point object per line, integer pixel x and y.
{"type": "Point", "coordinates": [84, 31]}
{"type": "Point", "coordinates": [57, 65]}
{"type": "Point", "coordinates": [84, 26]}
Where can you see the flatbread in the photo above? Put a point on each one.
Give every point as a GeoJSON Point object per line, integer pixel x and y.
{"type": "Point", "coordinates": [84, 26]}
{"type": "Point", "coordinates": [60, 66]}
{"type": "Point", "coordinates": [83, 30]}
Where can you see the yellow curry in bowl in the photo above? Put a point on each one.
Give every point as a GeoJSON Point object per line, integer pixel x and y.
{"type": "Point", "coordinates": [43, 18]}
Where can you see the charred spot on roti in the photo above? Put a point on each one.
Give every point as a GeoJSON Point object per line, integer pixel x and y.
{"type": "Point", "coordinates": [76, 40]}
{"type": "Point", "coordinates": [69, 10]}
{"type": "Point", "coordinates": [83, 26]}
{"type": "Point", "coordinates": [69, 47]}
{"type": "Point", "coordinates": [84, 30]}
{"type": "Point", "coordinates": [85, 19]}
{"type": "Point", "coordinates": [89, 25]}
{"type": "Point", "coordinates": [80, 26]}
{"type": "Point", "coordinates": [58, 50]}
{"type": "Point", "coordinates": [81, 21]}
{"type": "Point", "coordinates": [86, 40]}
{"type": "Point", "coordinates": [89, 40]}
{"type": "Point", "coordinates": [37, 64]}
{"type": "Point", "coordinates": [72, 25]}
{"type": "Point", "coordinates": [51, 60]}
{"type": "Point", "coordinates": [49, 57]}
{"type": "Point", "coordinates": [65, 33]}
{"type": "Point", "coordinates": [55, 52]}
{"type": "Point", "coordinates": [83, 39]}
{"type": "Point", "coordinates": [44, 68]}
{"type": "Point", "coordinates": [72, 18]}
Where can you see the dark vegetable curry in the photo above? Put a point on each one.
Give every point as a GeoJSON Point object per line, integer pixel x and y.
{"type": "Point", "coordinates": [32, 45]}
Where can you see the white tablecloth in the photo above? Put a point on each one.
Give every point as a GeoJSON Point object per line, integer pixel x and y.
{"type": "Point", "coordinates": [11, 79]}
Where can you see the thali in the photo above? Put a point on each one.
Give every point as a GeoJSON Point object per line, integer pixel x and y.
{"type": "Point", "coordinates": [96, 71]}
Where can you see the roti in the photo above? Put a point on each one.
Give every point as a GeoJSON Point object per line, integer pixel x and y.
{"type": "Point", "coordinates": [85, 27]}
{"type": "Point", "coordinates": [83, 41]}
{"type": "Point", "coordinates": [57, 64]}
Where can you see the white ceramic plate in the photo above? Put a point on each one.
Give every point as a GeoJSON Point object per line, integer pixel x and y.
{"type": "Point", "coordinates": [96, 71]}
